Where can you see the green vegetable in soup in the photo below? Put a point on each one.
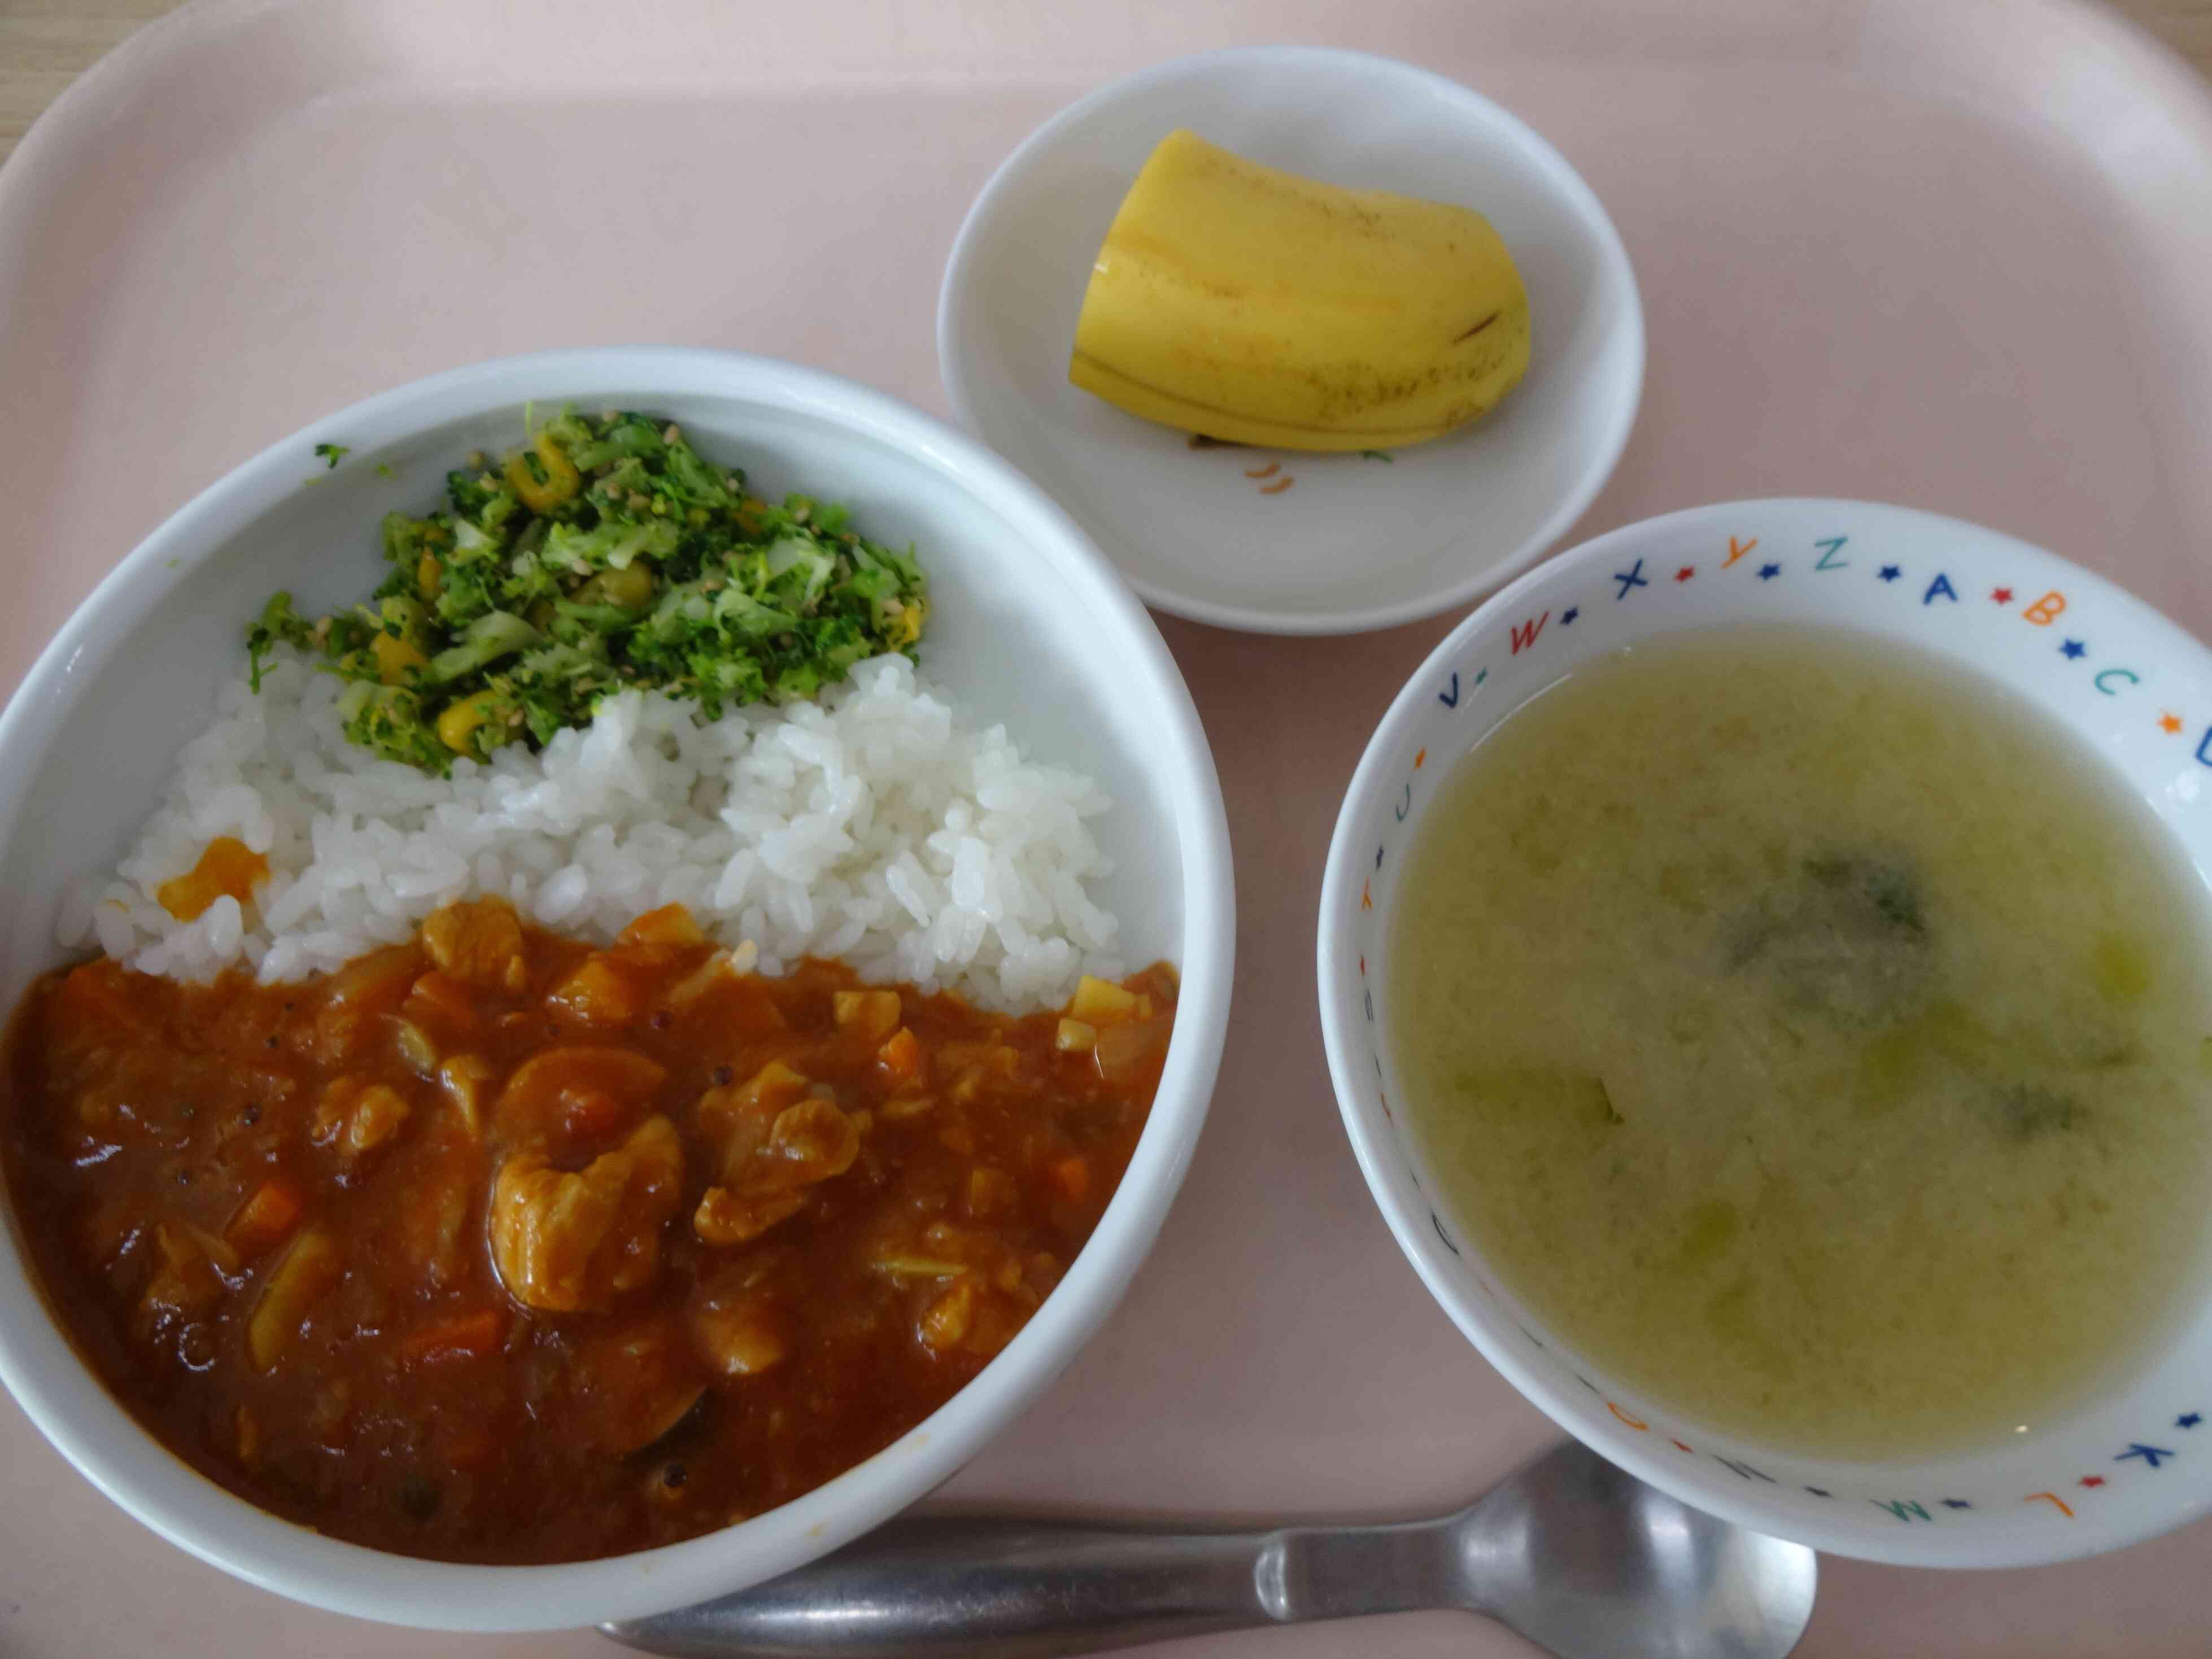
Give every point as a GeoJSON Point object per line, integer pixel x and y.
{"type": "Point", "coordinates": [607, 554]}
{"type": "Point", "coordinates": [1845, 937]}
{"type": "Point", "coordinates": [2025, 1110]}
{"type": "Point", "coordinates": [1574, 1097]}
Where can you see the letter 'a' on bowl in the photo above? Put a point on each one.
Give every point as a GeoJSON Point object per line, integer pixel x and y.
{"type": "Point", "coordinates": [1020, 599]}
{"type": "Point", "coordinates": [2136, 1458]}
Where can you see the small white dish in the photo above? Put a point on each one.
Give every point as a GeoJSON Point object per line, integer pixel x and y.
{"type": "Point", "coordinates": [1019, 599]}
{"type": "Point", "coordinates": [2132, 1462]}
{"type": "Point", "coordinates": [1353, 542]}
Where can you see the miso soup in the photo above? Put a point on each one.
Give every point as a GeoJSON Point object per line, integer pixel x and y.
{"type": "Point", "coordinates": [1815, 1039]}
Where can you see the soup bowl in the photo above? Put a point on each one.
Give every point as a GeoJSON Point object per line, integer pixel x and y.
{"type": "Point", "coordinates": [1031, 627]}
{"type": "Point", "coordinates": [2133, 1459]}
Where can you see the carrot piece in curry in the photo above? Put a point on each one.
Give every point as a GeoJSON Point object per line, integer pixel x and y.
{"type": "Point", "coordinates": [267, 1220]}
{"type": "Point", "coordinates": [473, 1335]}
{"type": "Point", "coordinates": [228, 867]}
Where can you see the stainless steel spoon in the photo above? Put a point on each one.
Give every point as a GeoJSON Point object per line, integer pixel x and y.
{"type": "Point", "coordinates": [1576, 1556]}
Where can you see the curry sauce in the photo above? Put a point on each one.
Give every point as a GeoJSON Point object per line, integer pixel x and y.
{"type": "Point", "coordinates": [496, 1247]}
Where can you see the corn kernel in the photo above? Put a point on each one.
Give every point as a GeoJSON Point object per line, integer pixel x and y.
{"type": "Point", "coordinates": [562, 479]}
{"type": "Point", "coordinates": [395, 659]}
{"type": "Point", "coordinates": [461, 719]}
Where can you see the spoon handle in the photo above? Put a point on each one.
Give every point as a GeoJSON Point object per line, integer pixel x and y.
{"type": "Point", "coordinates": [925, 1587]}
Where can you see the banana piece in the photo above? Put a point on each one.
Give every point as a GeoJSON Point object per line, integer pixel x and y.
{"type": "Point", "coordinates": [1251, 305]}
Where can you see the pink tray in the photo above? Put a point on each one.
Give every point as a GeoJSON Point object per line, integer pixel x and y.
{"type": "Point", "coordinates": [1959, 257]}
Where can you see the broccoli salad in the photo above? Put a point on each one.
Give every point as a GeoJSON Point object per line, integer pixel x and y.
{"type": "Point", "coordinates": [607, 554]}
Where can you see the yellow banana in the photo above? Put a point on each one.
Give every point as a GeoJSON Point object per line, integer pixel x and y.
{"type": "Point", "coordinates": [1251, 305]}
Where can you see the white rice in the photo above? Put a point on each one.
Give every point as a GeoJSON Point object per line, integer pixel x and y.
{"type": "Point", "coordinates": [875, 827]}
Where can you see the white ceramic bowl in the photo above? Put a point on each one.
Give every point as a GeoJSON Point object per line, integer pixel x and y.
{"type": "Point", "coordinates": [1356, 543]}
{"type": "Point", "coordinates": [2134, 1461]}
{"type": "Point", "coordinates": [1030, 625]}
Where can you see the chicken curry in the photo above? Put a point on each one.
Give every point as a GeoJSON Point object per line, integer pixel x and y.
{"type": "Point", "coordinates": [496, 1247]}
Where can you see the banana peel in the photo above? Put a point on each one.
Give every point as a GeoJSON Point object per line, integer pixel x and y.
{"type": "Point", "coordinates": [1249, 304]}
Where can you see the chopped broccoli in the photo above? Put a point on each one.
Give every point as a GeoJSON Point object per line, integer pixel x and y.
{"type": "Point", "coordinates": [278, 624]}
{"type": "Point", "coordinates": [388, 720]}
{"type": "Point", "coordinates": [331, 455]}
{"type": "Point", "coordinates": [609, 554]}
{"type": "Point", "coordinates": [495, 634]}
{"type": "Point", "coordinates": [611, 544]}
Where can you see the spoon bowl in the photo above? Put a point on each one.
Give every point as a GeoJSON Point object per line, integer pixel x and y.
{"type": "Point", "coordinates": [1582, 1558]}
